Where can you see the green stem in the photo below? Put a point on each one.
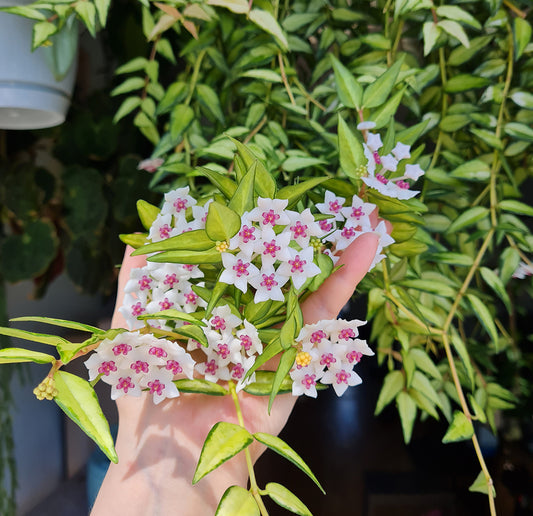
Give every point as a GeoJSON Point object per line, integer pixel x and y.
{"type": "Point", "coordinates": [194, 77]}
{"type": "Point", "coordinates": [254, 489]}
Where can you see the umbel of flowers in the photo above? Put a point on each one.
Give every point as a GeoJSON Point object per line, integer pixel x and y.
{"type": "Point", "coordinates": [220, 295]}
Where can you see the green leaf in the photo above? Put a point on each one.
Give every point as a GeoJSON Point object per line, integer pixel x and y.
{"type": "Point", "coordinates": [282, 448]}
{"type": "Point", "coordinates": [284, 498]}
{"type": "Point", "coordinates": [521, 36]}
{"type": "Point", "coordinates": [126, 108]}
{"type": "Point", "coordinates": [514, 206]}
{"type": "Point", "coordinates": [43, 338]}
{"type": "Point", "coordinates": [200, 387]}
{"type": "Point", "coordinates": [87, 12]}
{"type": "Point", "coordinates": [462, 351]}
{"type": "Point", "coordinates": [226, 185]}
{"type": "Point", "coordinates": [41, 32]}
{"type": "Point", "coordinates": [460, 429]}
{"type": "Point", "coordinates": [481, 485]}
{"type": "Point", "coordinates": [407, 410]}
{"type": "Point", "coordinates": [77, 399]}
{"type": "Point", "coordinates": [468, 218]}
{"type": "Point", "coordinates": [180, 119]}
{"type": "Point", "coordinates": [350, 151]}
{"type": "Point", "coordinates": [422, 384]}
{"type": "Point", "coordinates": [454, 12]}
{"type": "Point", "coordinates": [455, 30]}
{"type": "Point", "coordinates": [263, 75]}
{"type": "Point", "coordinates": [102, 8]}
{"type": "Point", "coordinates": [393, 383]}
{"type": "Point", "coordinates": [222, 443]}
{"type": "Point", "coordinates": [474, 170]}
{"type": "Point", "coordinates": [522, 99]}
{"type": "Point", "coordinates": [60, 322]}
{"type": "Point", "coordinates": [235, 6]}
{"type": "Point", "coordinates": [147, 213]}
{"type": "Point", "coordinates": [285, 364]}
{"type": "Point", "coordinates": [171, 314]}
{"type": "Point", "coordinates": [243, 198]}
{"type": "Point", "coordinates": [488, 137]}
{"type": "Point", "coordinates": [430, 285]}
{"type": "Point", "coordinates": [378, 91]}
{"type": "Point", "coordinates": [424, 362]}
{"type": "Point", "coordinates": [216, 295]}
{"type": "Point", "coordinates": [237, 501]}
{"type": "Point", "coordinates": [15, 355]}
{"type": "Point", "coordinates": [208, 97]}
{"type": "Point", "coordinates": [135, 240]}
{"type": "Point", "coordinates": [519, 131]}
{"type": "Point", "coordinates": [478, 411]}
{"type": "Point", "coordinates": [222, 222]}
{"type": "Point", "coordinates": [452, 259]}
{"type": "Point", "coordinates": [294, 163]}
{"type": "Point", "coordinates": [264, 380]}
{"type": "Point", "coordinates": [25, 11]}
{"type": "Point", "coordinates": [265, 21]}
{"type": "Point", "coordinates": [383, 115]}
{"type": "Point", "coordinates": [509, 261]}
{"type": "Point", "coordinates": [485, 317]}
{"type": "Point", "coordinates": [293, 193]}
{"type": "Point", "coordinates": [349, 90]}
{"type": "Point", "coordinates": [464, 82]}
{"type": "Point", "coordinates": [496, 284]}
{"type": "Point", "coordinates": [269, 352]}
{"type": "Point", "coordinates": [431, 32]}
{"type": "Point", "coordinates": [196, 240]}
{"type": "Point", "coordinates": [187, 257]}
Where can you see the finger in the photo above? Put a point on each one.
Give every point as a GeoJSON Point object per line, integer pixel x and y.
{"type": "Point", "coordinates": [334, 293]}
{"type": "Point", "coordinates": [128, 263]}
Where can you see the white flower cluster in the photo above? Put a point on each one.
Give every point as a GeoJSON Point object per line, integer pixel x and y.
{"type": "Point", "coordinates": [329, 350]}
{"type": "Point", "coordinates": [379, 166]}
{"type": "Point", "coordinates": [274, 244]}
{"type": "Point", "coordinates": [157, 287]}
{"type": "Point", "coordinates": [132, 362]}
{"type": "Point", "coordinates": [232, 347]}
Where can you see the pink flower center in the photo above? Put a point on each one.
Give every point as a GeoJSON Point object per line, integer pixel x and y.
{"type": "Point", "coordinates": [382, 179]}
{"type": "Point", "coordinates": [271, 248]}
{"type": "Point", "coordinates": [158, 352]}
{"type": "Point", "coordinates": [354, 356]}
{"type": "Point", "coordinates": [173, 366]}
{"type": "Point", "coordinates": [164, 231]}
{"type": "Point", "coordinates": [144, 283]}
{"type": "Point", "coordinates": [191, 298]}
{"type": "Point", "coordinates": [335, 206]}
{"type": "Point", "coordinates": [377, 157]}
{"type": "Point", "coordinates": [325, 225]}
{"type": "Point", "coordinates": [357, 213]}
{"type": "Point", "coordinates": [107, 367]}
{"type": "Point", "coordinates": [139, 366]}
{"type": "Point", "coordinates": [165, 304]}
{"type": "Point", "coordinates": [247, 233]}
{"type": "Point", "coordinates": [137, 309]}
{"type": "Point", "coordinates": [241, 268]}
{"type": "Point", "coordinates": [348, 232]}
{"type": "Point", "coordinates": [188, 267]}
{"type": "Point", "coordinates": [211, 367]}
{"type": "Point", "coordinates": [223, 351]}
{"type": "Point", "coordinates": [404, 185]}
{"type": "Point", "coordinates": [299, 230]}
{"type": "Point", "coordinates": [156, 387]}
{"type": "Point", "coordinates": [268, 281]}
{"type": "Point", "coordinates": [297, 265]}
{"type": "Point", "coordinates": [170, 280]}
{"type": "Point", "coordinates": [309, 381]}
{"type": "Point", "coordinates": [270, 217]}
{"type": "Point", "coordinates": [342, 377]}
{"type": "Point", "coordinates": [218, 323]}
{"type": "Point", "coordinates": [246, 342]}
{"type": "Point", "coordinates": [180, 204]}
{"type": "Point", "coordinates": [317, 336]}
{"type": "Point", "coordinates": [237, 371]}
{"type": "Point", "coordinates": [346, 333]}
{"type": "Point", "coordinates": [327, 359]}
{"type": "Point", "coordinates": [125, 384]}
{"type": "Point", "coordinates": [121, 349]}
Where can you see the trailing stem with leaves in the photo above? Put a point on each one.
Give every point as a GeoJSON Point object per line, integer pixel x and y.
{"type": "Point", "coordinates": [336, 99]}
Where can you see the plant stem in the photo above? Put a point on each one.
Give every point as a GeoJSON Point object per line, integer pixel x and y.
{"type": "Point", "coordinates": [254, 489]}
{"type": "Point", "coordinates": [194, 77]}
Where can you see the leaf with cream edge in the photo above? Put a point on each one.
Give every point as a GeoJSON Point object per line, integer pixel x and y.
{"type": "Point", "coordinates": [77, 399]}
{"type": "Point", "coordinates": [282, 448]}
{"type": "Point", "coordinates": [460, 429]}
{"type": "Point", "coordinates": [147, 213]}
{"type": "Point", "coordinates": [286, 499]}
{"type": "Point", "coordinates": [237, 501]}
{"type": "Point", "coordinates": [222, 443]}
{"type": "Point", "coordinates": [16, 355]}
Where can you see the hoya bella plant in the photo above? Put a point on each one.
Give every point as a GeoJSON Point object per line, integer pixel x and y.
{"type": "Point", "coordinates": [340, 106]}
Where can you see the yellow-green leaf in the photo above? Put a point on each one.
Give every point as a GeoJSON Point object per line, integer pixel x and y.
{"type": "Point", "coordinates": [222, 222]}
{"type": "Point", "coordinates": [286, 499]}
{"type": "Point", "coordinates": [16, 355]}
{"type": "Point", "coordinates": [237, 501]}
{"type": "Point", "coordinates": [460, 429]}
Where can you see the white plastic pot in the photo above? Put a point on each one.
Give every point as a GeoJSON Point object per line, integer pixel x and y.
{"type": "Point", "coordinates": [30, 96]}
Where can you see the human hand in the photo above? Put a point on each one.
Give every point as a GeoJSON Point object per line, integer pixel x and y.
{"type": "Point", "coordinates": [158, 446]}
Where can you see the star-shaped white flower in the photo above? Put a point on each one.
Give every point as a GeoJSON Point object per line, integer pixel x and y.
{"type": "Point", "coordinates": [270, 212]}
{"type": "Point", "coordinates": [268, 285]}
{"type": "Point", "coordinates": [332, 205]}
{"type": "Point", "coordinates": [299, 267]}
{"type": "Point", "coordinates": [238, 270]}
{"type": "Point", "coordinates": [341, 379]}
